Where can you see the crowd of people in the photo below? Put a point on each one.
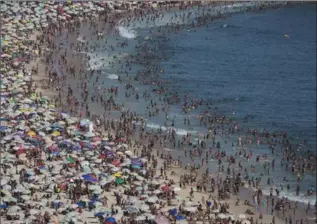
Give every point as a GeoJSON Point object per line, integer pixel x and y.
{"type": "Point", "coordinates": [88, 167]}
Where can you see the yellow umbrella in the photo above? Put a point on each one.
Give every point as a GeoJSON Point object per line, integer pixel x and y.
{"type": "Point", "coordinates": [56, 133]}
{"type": "Point", "coordinates": [31, 133]}
{"type": "Point", "coordinates": [117, 174]}
{"type": "Point", "coordinates": [33, 96]}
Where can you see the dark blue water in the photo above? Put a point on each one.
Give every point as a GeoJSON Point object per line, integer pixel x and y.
{"type": "Point", "coordinates": [248, 59]}
{"type": "Point", "coordinates": [259, 64]}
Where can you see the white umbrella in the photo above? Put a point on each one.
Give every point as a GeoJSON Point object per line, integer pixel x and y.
{"type": "Point", "coordinates": [14, 208]}
{"type": "Point", "coordinates": [144, 208]}
{"type": "Point", "coordinates": [242, 216]}
{"type": "Point", "coordinates": [93, 187]}
{"type": "Point", "coordinates": [157, 191]}
{"type": "Point", "coordinates": [223, 216]}
{"type": "Point", "coordinates": [97, 191]}
{"type": "Point", "coordinates": [129, 153]}
{"type": "Point", "coordinates": [34, 211]}
{"type": "Point", "coordinates": [139, 178]}
{"type": "Point", "coordinates": [190, 209]}
{"type": "Point", "coordinates": [152, 199]}
{"type": "Point", "coordinates": [215, 211]}
{"type": "Point", "coordinates": [3, 181]}
{"type": "Point", "coordinates": [177, 189]}
{"type": "Point", "coordinates": [26, 197]}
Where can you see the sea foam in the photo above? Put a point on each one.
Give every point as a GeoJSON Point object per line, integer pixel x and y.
{"type": "Point", "coordinates": [126, 32]}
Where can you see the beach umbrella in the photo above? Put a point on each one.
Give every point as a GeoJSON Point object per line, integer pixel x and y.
{"type": "Point", "coordinates": [90, 134]}
{"type": "Point", "coordinates": [139, 178]}
{"type": "Point", "coordinates": [144, 208]}
{"type": "Point", "coordinates": [166, 188]}
{"type": "Point", "coordinates": [246, 222]}
{"type": "Point", "coordinates": [208, 204]}
{"type": "Point", "coordinates": [70, 160]}
{"type": "Point", "coordinates": [136, 167]}
{"type": "Point", "coordinates": [161, 220]}
{"type": "Point", "coordinates": [177, 189]}
{"type": "Point", "coordinates": [173, 211]}
{"type": "Point", "coordinates": [97, 191]}
{"type": "Point", "coordinates": [100, 214]}
{"type": "Point", "coordinates": [85, 122]}
{"type": "Point", "coordinates": [190, 209]}
{"type": "Point", "coordinates": [180, 217]}
{"type": "Point", "coordinates": [242, 216]}
{"type": "Point", "coordinates": [157, 191]}
{"type": "Point", "coordinates": [129, 153]}
{"type": "Point", "coordinates": [223, 216]}
{"type": "Point", "coordinates": [26, 197]}
{"type": "Point", "coordinates": [9, 199]}
{"type": "Point", "coordinates": [152, 199]}
{"type": "Point", "coordinates": [110, 220]}
{"type": "Point", "coordinates": [31, 133]}
{"type": "Point", "coordinates": [93, 187]}
{"type": "Point", "coordinates": [138, 183]}
{"type": "Point", "coordinates": [120, 181]}
{"type": "Point", "coordinates": [14, 209]}
{"type": "Point", "coordinates": [215, 211]}
{"type": "Point", "coordinates": [131, 210]}
{"type": "Point", "coordinates": [3, 205]}
{"type": "Point", "coordinates": [117, 174]}
{"type": "Point", "coordinates": [90, 178]}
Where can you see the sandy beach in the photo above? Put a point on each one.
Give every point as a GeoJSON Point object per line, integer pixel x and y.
{"type": "Point", "coordinates": [65, 159]}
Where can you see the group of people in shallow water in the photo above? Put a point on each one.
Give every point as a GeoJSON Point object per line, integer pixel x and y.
{"type": "Point", "coordinates": [79, 91]}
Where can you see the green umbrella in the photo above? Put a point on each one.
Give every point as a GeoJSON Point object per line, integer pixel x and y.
{"type": "Point", "coordinates": [120, 181]}
{"type": "Point", "coordinates": [44, 99]}
{"type": "Point", "coordinates": [75, 132]}
{"type": "Point", "coordinates": [70, 160]}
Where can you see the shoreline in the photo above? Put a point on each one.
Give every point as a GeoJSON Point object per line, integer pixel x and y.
{"type": "Point", "coordinates": [119, 16]}
{"type": "Point", "coordinates": [41, 67]}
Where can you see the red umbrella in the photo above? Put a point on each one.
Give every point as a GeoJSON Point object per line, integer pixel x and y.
{"type": "Point", "coordinates": [102, 156]}
{"type": "Point", "coordinates": [166, 188]}
{"type": "Point", "coordinates": [115, 162]}
{"type": "Point", "coordinates": [20, 151]}
{"type": "Point", "coordinates": [96, 139]}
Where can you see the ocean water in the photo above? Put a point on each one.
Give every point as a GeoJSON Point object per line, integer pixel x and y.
{"type": "Point", "coordinates": [261, 64]}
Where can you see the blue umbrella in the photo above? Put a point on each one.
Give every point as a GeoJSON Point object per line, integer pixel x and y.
{"type": "Point", "coordinates": [85, 122]}
{"type": "Point", "coordinates": [3, 128]}
{"type": "Point", "coordinates": [81, 204]}
{"type": "Point", "coordinates": [136, 167]}
{"type": "Point", "coordinates": [59, 125]}
{"type": "Point", "coordinates": [4, 205]}
{"type": "Point", "coordinates": [110, 219]}
{"type": "Point", "coordinates": [173, 212]}
{"type": "Point", "coordinates": [100, 214]}
{"type": "Point", "coordinates": [180, 217]}
{"type": "Point", "coordinates": [89, 178]}
{"type": "Point", "coordinates": [137, 163]}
